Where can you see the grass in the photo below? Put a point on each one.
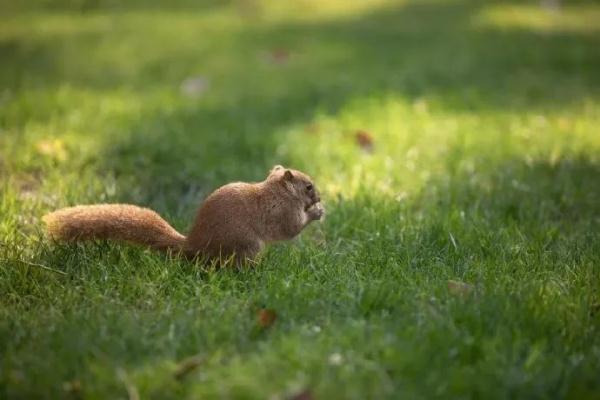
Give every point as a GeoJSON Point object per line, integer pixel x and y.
{"type": "Point", "coordinates": [484, 170]}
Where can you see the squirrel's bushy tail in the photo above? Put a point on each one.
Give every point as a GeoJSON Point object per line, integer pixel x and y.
{"type": "Point", "coordinates": [122, 222]}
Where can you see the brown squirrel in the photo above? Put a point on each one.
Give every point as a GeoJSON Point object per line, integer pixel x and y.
{"type": "Point", "coordinates": [235, 221]}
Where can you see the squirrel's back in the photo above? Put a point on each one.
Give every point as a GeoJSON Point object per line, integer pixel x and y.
{"type": "Point", "coordinates": [116, 222]}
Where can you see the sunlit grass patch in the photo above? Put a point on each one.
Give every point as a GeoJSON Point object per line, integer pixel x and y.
{"type": "Point", "coordinates": [542, 17]}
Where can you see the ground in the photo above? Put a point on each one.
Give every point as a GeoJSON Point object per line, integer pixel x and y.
{"type": "Point", "coordinates": [456, 146]}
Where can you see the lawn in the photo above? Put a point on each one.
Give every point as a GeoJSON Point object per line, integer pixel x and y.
{"type": "Point", "coordinates": [460, 257]}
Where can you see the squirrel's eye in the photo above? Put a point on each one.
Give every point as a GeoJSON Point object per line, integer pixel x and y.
{"type": "Point", "coordinates": [309, 187]}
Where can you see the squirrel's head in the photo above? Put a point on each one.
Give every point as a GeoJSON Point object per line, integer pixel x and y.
{"type": "Point", "coordinates": [296, 183]}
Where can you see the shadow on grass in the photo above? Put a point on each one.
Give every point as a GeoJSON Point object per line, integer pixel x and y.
{"type": "Point", "coordinates": [83, 6]}
{"type": "Point", "coordinates": [419, 49]}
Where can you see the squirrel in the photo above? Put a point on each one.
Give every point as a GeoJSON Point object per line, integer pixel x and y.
{"type": "Point", "coordinates": [235, 221]}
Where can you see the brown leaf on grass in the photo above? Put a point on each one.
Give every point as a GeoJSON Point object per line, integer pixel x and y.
{"type": "Point", "coordinates": [278, 56]}
{"type": "Point", "coordinates": [186, 366]}
{"type": "Point", "coordinates": [266, 317]}
{"type": "Point", "coordinates": [459, 288]}
{"type": "Point", "coordinates": [364, 140]}
{"type": "Point", "coordinates": [306, 394]}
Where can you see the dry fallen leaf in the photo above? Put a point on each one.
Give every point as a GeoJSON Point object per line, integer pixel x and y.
{"type": "Point", "coordinates": [364, 140]}
{"type": "Point", "coordinates": [278, 56]}
{"type": "Point", "coordinates": [459, 288]}
{"type": "Point", "coordinates": [266, 317]}
{"type": "Point", "coordinates": [186, 366]}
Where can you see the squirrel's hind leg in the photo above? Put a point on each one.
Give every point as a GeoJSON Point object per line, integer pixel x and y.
{"type": "Point", "coordinates": [243, 254]}
{"type": "Point", "coordinates": [246, 254]}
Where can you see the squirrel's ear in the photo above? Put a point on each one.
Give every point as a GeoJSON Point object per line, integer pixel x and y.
{"type": "Point", "coordinates": [287, 175]}
{"type": "Point", "coordinates": [276, 168]}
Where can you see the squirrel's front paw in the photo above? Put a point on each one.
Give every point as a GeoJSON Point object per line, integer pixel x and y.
{"type": "Point", "coordinates": [316, 211]}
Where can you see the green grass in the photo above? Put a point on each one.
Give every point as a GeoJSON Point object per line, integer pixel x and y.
{"type": "Point", "coordinates": [485, 169]}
